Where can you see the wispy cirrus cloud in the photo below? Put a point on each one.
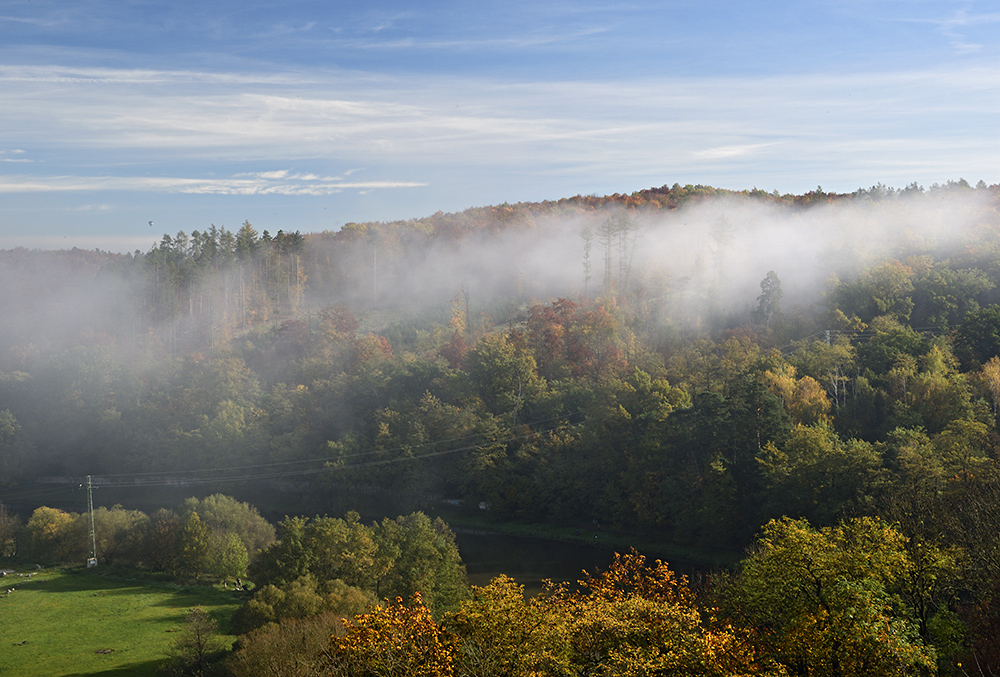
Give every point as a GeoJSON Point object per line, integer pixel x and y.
{"type": "Point", "coordinates": [295, 176]}
{"type": "Point", "coordinates": [288, 186]}
{"type": "Point", "coordinates": [724, 152]}
{"type": "Point", "coordinates": [638, 130]}
{"type": "Point", "coordinates": [955, 27]}
{"type": "Point", "coordinates": [95, 75]}
{"type": "Point", "coordinates": [521, 41]}
{"type": "Point", "coordinates": [263, 183]}
{"type": "Point", "coordinates": [14, 155]}
{"type": "Point", "coordinates": [430, 119]}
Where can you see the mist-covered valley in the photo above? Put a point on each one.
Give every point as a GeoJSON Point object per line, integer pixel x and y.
{"type": "Point", "coordinates": [686, 367]}
{"type": "Point", "coordinates": [225, 348]}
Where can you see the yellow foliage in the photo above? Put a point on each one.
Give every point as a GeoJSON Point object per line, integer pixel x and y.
{"type": "Point", "coordinates": [634, 619]}
{"type": "Point", "coordinates": [805, 399]}
{"type": "Point", "coordinates": [394, 640]}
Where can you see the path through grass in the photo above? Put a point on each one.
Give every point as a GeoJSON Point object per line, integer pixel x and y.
{"type": "Point", "coordinates": [56, 621]}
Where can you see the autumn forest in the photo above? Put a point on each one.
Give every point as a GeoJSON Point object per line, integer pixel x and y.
{"type": "Point", "coordinates": [805, 386]}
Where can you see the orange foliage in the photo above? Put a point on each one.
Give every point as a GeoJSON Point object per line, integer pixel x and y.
{"type": "Point", "coordinates": [394, 640]}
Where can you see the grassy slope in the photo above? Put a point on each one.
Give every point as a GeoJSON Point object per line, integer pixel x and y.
{"type": "Point", "coordinates": [65, 616]}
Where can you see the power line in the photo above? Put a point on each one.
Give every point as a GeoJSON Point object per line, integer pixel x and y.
{"type": "Point", "coordinates": [857, 335]}
{"type": "Point", "coordinates": [331, 464]}
{"type": "Point", "coordinates": [362, 454]}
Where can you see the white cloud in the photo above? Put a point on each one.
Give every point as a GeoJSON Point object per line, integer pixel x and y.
{"type": "Point", "coordinates": [155, 121]}
{"type": "Point", "coordinates": [16, 153]}
{"type": "Point", "coordinates": [955, 27]}
{"type": "Point", "coordinates": [92, 75]}
{"type": "Point", "coordinates": [514, 42]}
{"type": "Point", "coordinates": [222, 187]}
{"type": "Point", "coordinates": [236, 186]}
{"type": "Point", "coordinates": [724, 152]}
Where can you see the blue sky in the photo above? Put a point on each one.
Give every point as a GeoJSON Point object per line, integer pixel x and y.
{"type": "Point", "coordinates": [307, 115]}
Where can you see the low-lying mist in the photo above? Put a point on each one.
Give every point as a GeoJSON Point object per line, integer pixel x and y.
{"type": "Point", "coordinates": [706, 257]}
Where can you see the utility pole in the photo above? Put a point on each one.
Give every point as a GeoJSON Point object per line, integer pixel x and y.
{"type": "Point", "coordinates": [92, 558]}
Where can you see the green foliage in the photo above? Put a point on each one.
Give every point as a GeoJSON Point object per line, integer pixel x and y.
{"type": "Point", "coordinates": [506, 376]}
{"type": "Point", "coordinates": [224, 516]}
{"type": "Point", "coordinates": [884, 290]}
{"type": "Point", "coordinates": [13, 448]}
{"type": "Point", "coordinates": [978, 338]}
{"type": "Point", "coordinates": [287, 558]}
{"type": "Point", "coordinates": [970, 516]}
{"type": "Point", "coordinates": [426, 561]}
{"type": "Point", "coordinates": [981, 653]}
{"type": "Point", "coordinates": [198, 648]}
{"type": "Point", "coordinates": [891, 341]}
{"type": "Point", "coordinates": [944, 295]}
{"type": "Point", "coordinates": [343, 565]}
{"type": "Point", "coordinates": [164, 541]}
{"type": "Point", "coordinates": [51, 536]}
{"type": "Point", "coordinates": [161, 549]}
{"type": "Point", "coordinates": [302, 598]}
{"type": "Point", "coordinates": [226, 557]}
{"type": "Point", "coordinates": [826, 596]}
{"type": "Point", "coordinates": [120, 534]}
{"type": "Point", "coordinates": [194, 544]}
{"type": "Point", "coordinates": [813, 474]}
{"type": "Point", "coordinates": [10, 525]}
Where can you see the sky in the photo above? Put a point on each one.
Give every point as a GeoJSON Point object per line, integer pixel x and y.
{"type": "Point", "coordinates": [305, 115]}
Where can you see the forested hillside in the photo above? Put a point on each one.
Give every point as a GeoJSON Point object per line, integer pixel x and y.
{"type": "Point", "coordinates": [684, 363]}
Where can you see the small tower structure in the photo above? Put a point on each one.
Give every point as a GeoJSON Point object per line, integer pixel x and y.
{"type": "Point", "coordinates": [92, 553]}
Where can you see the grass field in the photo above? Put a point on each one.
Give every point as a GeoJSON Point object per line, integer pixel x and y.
{"type": "Point", "coordinates": [56, 621]}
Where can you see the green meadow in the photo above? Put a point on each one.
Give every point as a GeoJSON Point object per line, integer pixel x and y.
{"type": "Point", "coordinates": [100, 621]}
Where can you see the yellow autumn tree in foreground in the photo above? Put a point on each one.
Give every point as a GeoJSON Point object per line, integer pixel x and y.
{"type": "Point", "coordinates": [394, 640]}
{"type": "Point", "coordinates": [635, 619]}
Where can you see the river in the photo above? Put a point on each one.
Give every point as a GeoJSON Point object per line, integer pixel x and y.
{"type": "Point", "coordinates": [529, 561]}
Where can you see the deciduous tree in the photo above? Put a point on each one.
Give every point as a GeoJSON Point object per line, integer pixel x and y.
{"type": "Point", "coordinates": [394, 640]}
{"type": "Point", "coordinates": [10, 525]}
{"type": "Point", "coordinates": [198, 648]}
{"type": "Point", "coordinates": [824, 595]}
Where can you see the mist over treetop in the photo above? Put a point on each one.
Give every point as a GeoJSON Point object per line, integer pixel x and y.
{"type": "Point", "coordinates": [684, 251]}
